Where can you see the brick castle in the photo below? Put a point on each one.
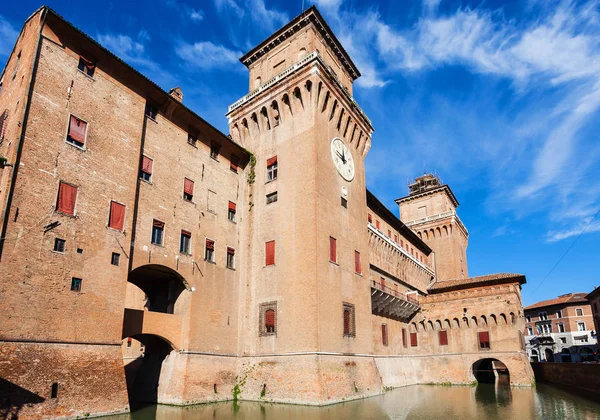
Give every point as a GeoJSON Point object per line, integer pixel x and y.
{"type": "Point", "coordinates": [145, 255]}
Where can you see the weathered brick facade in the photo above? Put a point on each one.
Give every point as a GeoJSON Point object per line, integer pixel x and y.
{"type": "Point", "coordinates": [206, 251]}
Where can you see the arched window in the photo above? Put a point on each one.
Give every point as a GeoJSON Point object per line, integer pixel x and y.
{"type": "Point", "coordinates": [268, 318]}
{"type": "Point", "coordinates": [265, 116]}
{"type": "Point", "coordinates": [276, 115]}
{"type": "Point", "coordinates": [298, 95]}
{"type": "Point", "coordinates": [257, 82]}
{"type": "Point", "coordinates": [301, 53]}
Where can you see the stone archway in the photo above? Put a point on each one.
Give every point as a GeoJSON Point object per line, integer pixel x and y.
{"type": "Point", "coordinates": [586, 354]}
{"type": "Point", "coordinates": [565, 355]}
{"type": "Point", "coordinates": [162, 286]}
{"type": "Point", "coordinates": [549, 355]}
{"type": "Point", "coordinates": [534, 356]}
{"type": "Point", "coordinates": [490, 371]}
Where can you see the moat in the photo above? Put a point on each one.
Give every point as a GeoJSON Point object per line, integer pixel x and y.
{"type": "Point", "coordinates": [485, 401]}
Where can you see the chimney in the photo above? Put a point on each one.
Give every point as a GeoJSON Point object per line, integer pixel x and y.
{"type": "Point", "coordinates": [177, 94]}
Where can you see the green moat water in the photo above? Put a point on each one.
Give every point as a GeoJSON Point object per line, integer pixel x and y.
{"type": "Point", "coordinates": [484, 401]}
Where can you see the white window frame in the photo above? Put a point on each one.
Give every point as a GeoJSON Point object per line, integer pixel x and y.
{"type": "Point", "coordinates": [543, 316]}
{"type": "Point", "coordinates": [577, 311]}
{"type": "Point", "coordinates": [579, 324]}
{"type": "Point", "coordinates": [561, 327]}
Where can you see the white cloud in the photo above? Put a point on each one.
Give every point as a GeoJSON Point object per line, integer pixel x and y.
{"type": "Point", "coordinates": [229, 6]}
{"type": "Point", "coordinates": [196, 15]}
{"type": "Point", "coordinates": [8, 36]}
{"type": "Point", "coordinates": [122, 45]}
{"type": "Point", "coordinates": [270, 19]}
{"type": "Point", "coordinates": [584, 226]}
{"type": "Point", "coordinates": [207, 56]}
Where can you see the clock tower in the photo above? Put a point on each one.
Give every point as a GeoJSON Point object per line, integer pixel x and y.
{"type": "Point", "coordinates": [306, 226]}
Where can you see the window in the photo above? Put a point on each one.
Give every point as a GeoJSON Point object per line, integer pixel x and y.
{"type": "Point", "coordinates": [54, 390]}
{"type": "Point", "coordinates": [3, 124]}
{"type": "Point", "coordinates": [581, 326]}
{"type": "Point", "coordinates": [86, 66]}
{"type": "Point", "coordinates": [59, 245]}
{"type": "Point", "coordinates": [404, 343]}
{"type": "Point", "coordinates": [563, 340]}
{"type": "Point", "coordinates": [271, 198]}
{"type": "Point", "coordinates": [151, 112]}
{"type": "Point", "coordinates": [234, 163]}
{"type": "Point", "coordinates": [77, 131]}
{"type": "Point", "coordinates": [214, 150]}
{"type": "Point", "coordinates": [529, 330]}
{"type": "Point", "coordinates": [579, 312]}
{"type": "Point", "coordinates": [209, 250]}
{"type": "Point", "coordinates": [584, 339]}
{"type": "Point", "coordinates": [543, 316]}
{"type": "Point", "coordinates": [231, 211]}
{"type": "Point", "coordinates": [188, 189]}
{"type": "Point", "coordinates": [484, 340]}
{"type": "Point", "coordinates": [158, 229]}
{"type": "Point", "coordinates": [129, 341]}
{"type": "Point", "coordinates": [270, 253]}
{"type": "Point", "coordinates": [413, 339]}
{"type": "Point", "coordinates": [344, 203]}
{"type": "Point", "coordinates": [185, 242]}
{"type": "Point", "coordinates": [559, 314]}
{"type": "Point", "coordinates": [443, 337]}
{"type": "Point", "coordinates": [349, 322]}
{"type": "Point", "coordinates": [76, 284]}
{"type": "Point", "coordinates": [192, 139]}
{"type": "Point", "coordinates": [211, 202]}
{"type": "Point", "coordinates": [230, 258]}
{"type": "Point", "coordinates": [377, 224]}
{"type": "Point", "coordinates": [67, 197]}
{"type": "Point", "coordinates": [272, 169]}
{"type": "Point", "coordinates": [561, 327]}
{"type": "Point", "coordinates": [357, 265]}
{"type": "Point", "coordinates": [268, 319]}
{"type": "Point", "coordinates": [369, 218]}
{"type": "Point", "coordinates": [146, 169]}
{"type": "Point", "coordinates": [528, 318]}
{"type": "Point", "coordinates": [332, 250]}
{"type": "Point", "coordinates": [116, 219]}
{"type": "Point", "coordinates": [115, 258]}
{"type": "Point", "coordinates": [389, 233]}
{"type": "Point", "coordinates": [395, 238]}
{"type": "Point", "coordinates": [384, 334]}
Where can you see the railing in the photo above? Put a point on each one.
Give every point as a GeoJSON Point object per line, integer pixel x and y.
{"type": "Point", "coordinates": [399, 248]}
{"type": "Point", "coordinates": [376, 285]}
{"type": "Point", "coordinates": [430, 218]}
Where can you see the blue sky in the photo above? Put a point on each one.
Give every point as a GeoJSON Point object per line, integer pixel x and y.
{"type": "Point", "coordinates": [500, 98]}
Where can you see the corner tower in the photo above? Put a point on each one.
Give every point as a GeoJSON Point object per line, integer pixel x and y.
{"type": "Point", "coordinates": [307, 197]}
{"type": "Point", "coordinates": [430, 210]}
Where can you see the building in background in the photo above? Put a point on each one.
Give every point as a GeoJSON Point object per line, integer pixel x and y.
{"type": "Point", "coordinates": [146, 256]}
{"type": "Point", "coordinates": [594, 299]}
{"type": "Point", "coordinates": [561, 330]}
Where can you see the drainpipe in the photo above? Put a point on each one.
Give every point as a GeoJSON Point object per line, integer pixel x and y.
{"type": "Point", "coordinates": [24, 120]}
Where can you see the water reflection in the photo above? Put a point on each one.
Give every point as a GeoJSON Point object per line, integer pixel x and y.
{"type": "Point", "coordinates": [486, 401]}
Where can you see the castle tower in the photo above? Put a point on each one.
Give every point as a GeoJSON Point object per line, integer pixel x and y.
{"type": "Point", "coordinates": [307, 195]}
{"type": "Point", "coordinates": [430, 210]}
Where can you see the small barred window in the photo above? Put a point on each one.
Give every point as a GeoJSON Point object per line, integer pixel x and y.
{"type": "Point", "coordinates": [268, 319]}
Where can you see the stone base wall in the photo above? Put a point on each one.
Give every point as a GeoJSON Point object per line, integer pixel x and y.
{"type": "Point", "coordinates": [449, 368]}
{"type": "Point", "coordinates": [581, 377]}
{"type": "Point", "coordinates": [91, 380]}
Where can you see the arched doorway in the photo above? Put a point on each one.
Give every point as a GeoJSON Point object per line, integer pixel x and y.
{"type": "Point", "coordinates": [586, 354]}
{"type": "Point", "coordinates": [534, 356]}
{"type": "Point", "coordinates": [162, 286]}
{"type": "Point", "coordinates": [565, 355]}
{"type": "Point", "coordinates": [143, 373]}
{"type": "Point", "coordinates": [490, 371]}
{"type": "Point", "coordinates": [549, 355]}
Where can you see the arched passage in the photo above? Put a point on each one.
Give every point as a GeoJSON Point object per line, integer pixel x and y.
{"type": "Point", "coordinates": [586, 354]}
{"type": "Point", "coordinates": [162, 286]}
{"type": "Point", "coordinates": [534, 356]}
{"type": "Point", "coordinates": [490, 371]}
{"type": "Point", "coordinates": [549, 355]}
{"type": "Point", "coordinates": [565, 355]}
{"type": "Point", "coordinates": [143, 373]}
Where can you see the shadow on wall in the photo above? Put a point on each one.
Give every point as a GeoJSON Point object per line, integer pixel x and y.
{"type": "Point", "coordinates": [13, 398]}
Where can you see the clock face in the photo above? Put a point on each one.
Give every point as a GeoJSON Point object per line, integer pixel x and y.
{"type": "Point", "coordinates": [342, 159]}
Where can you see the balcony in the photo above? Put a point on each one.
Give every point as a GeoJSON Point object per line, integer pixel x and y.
{"type": "Point", "coordinates": [390, 303]}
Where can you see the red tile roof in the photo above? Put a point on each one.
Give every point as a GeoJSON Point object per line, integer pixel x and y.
{"type": "Point", "coordinates": [498, 278]}
{"type": "Point", "coordinates": [567, 299]}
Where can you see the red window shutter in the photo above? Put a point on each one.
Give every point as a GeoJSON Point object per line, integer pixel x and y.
{"type": "Point", "coordinates": [210, 244]}
{"type": "Point", "coordinates": [443, 338]}
{"type": "Point", "coordinates": [89, 64]}
{"type": "Point", "coordinates": [413, 339]}
{"type": "Point", "coordinates": [186, 233]}
{"type": "Point", "coordinates": [347, 321]}
{"type": "Point", "coordinates": [370, 218]}
{"type": "Point", "coordinates": [67, 196]}
{"type": "Point", "coordinates": [395, 238]}
{"type": "Point", "coordinates": [382, 283]}
{"type": "Point", "coordinates": [484, 337]}
{"type": "Point", "coordinates": [234, 163]}
{"type": "Point", "coordinates": [389, 233]}
{"type": "Point", "coordinates": [117, 216]}
{"type": "Point", "coordinates": [188, 186]}
{"type": "Point", "coordinates": [77, 129]}
{"type": "Point", "coordinates": [401, 243]}
{"type": "Point", "coordinates": [377, 224]}
{"type": "Point", "coordinates": [332, 250]}
{"type": "Point", "coordinates": [271, 161]}
{"type": "Point", "coordinates": [404, 337]}
{"type": "Point", "coordinates": [230, 251]}
{"type": "Point", "coordinates": [357, 267]}
{"type": "Point", "coordinates": [158, 224]}
{"type": "Point", "coordinates": [270, 253]}
{"type": "Point", "coordinates": [270, 318]}
{"type": "Point", "coordinates": [232, 206]}
{"type": "Point", "coordinates": [147, 165]}
{"type": "Point", "coordinates": [384, 335]}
